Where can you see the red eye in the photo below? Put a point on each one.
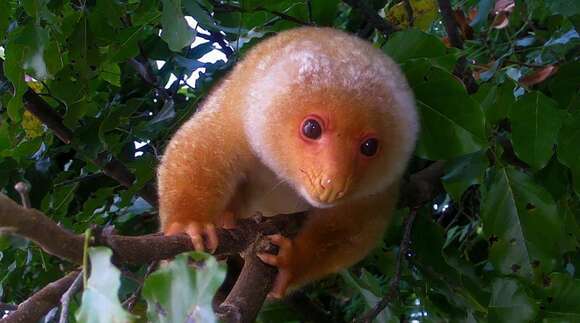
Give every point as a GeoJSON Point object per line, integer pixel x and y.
{"type": "Point", "coordinates": [311, 129]}
{"type": "Point", "coordinates": [369, 147]}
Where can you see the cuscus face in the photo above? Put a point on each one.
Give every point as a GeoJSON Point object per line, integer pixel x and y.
{"type": "Point", "coordinates": [332, 116]}
{"type": "Point", "coordinates": [334, 147]}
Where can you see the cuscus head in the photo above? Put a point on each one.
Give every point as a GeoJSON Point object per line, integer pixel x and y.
{"type": "Point", "coordinates": [330, 114]}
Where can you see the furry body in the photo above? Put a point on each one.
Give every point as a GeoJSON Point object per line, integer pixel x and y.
{"type": "Point", "coordinates": [244, 153]}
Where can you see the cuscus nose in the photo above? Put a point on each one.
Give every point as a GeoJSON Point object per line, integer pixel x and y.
{"type": "Point", "coordinates": [331, 190]}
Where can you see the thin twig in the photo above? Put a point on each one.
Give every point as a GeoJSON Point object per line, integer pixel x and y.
{"type": "Point", "coordinates": [226, 7]}
{"type": "Point", "coordinates": [393, 292]}
{"type": "Point", "coordinates": [67, 296]}
{"type": "Point", "coordinates": [131, 301]}
{"type": "Point", "coordinates": [409, 11]}
{"type": "Point", "coordinates": [24, 190]}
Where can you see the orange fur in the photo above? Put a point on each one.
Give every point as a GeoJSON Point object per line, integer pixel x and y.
{"type": "Point", "coordinates": [243, 152]}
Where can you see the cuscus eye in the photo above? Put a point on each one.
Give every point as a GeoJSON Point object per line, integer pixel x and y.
{"type": "Point", "coordinates": [311, 129]}
{"type": "Point", "coordinates": [369, 147]}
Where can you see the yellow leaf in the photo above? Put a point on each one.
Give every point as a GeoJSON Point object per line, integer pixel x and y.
{"type": "Point", "coordinates": [424, 12]}
{"type": "Point", "coordinates": [35, 86]}
{"type": "Point", "coordinates": [32, 126]}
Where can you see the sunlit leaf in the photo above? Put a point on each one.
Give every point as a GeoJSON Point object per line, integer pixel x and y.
{"type": "Point", "coordinates": [424, 12]}
{"type": "Point", "coordinates": [32, 126]}
{"type": "Point", "coordinates": [179, 292]}
{"type": "Point", "coordinates": [100, 301]}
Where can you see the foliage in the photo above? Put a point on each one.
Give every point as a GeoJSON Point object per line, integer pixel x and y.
{"type": "Point", "coordinates": [499, 244]}
{"type": "Point", "coordinates": [177, 293]}
{"type": "Point", "coordinates": [100, 302]}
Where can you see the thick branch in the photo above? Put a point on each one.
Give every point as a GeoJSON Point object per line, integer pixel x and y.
{"type": "Point", "coordinates": [256, 279]}
{"type": "Point", "coordinates": [36, 226]}
{"type": "Point", "coordinates": [57, 241]}
{"type": "Point", "coordinates": [248, 294]}
{"type": "Point", "coordinates": [373, 17]}
{"type": "Point", "coordinates": [35, 307]}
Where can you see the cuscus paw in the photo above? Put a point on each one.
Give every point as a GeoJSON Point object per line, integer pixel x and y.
{"type": "Point", "coordinates": [282, 261]}
{"type": "Point", "coordinates": [197, 231]}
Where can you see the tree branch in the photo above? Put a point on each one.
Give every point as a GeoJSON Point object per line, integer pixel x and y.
{"type": "Point", "coordinates": [461, 69]}
{"type": "Point", "coordinates": [256, 279]}
{"type": "Point", "coordinates": [450, 23]}
{"type": "Point", "coordinates": [35, 307]}
{"type": "Point", "coordinates": [373, 17]}
{"type": "Point", "coordinates": [226, 7]}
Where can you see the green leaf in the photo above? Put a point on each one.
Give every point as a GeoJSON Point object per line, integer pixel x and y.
{"type": "Point", "coordinates": [324, 11]}
{"type": "Point", "coordinates": [566, 8]}
{"type": "Point", "coordinates": [200, 15]}
{"type": "Point", "coordinates": [428, 240]}
{"type": "Point", "coordinates": [33, 40]}
{"type": "Point", "coordinates": [126, 44]}
{"type": "Point", "coordinates": [5, 12]}
{"type": "Point", "coordinates": [24, 52]}
{"type": "Point", "coordinates": [413, 43]}
{"type": "Point", "coordinates": [521, 220]}
{"type": "Point", "coordinates": [100, 300]}
{"type": "Point", "coordinates": [535, 121]}
{"type": "Point", "coordinates": [111, 73]}
{"type": "Point", "coordinates": [176, 32]}
{"type": "Point", "coordinates": [464, 171]}
{"type": "Point", "coordinates": [370, 297]}
{"type": "Point", "coordinates": [510, 303]}
{"type": "Point", "coordinates": [569, 147]}
{"type": "Point", "coordinates": [496, 100]}
{"type": "Point", "coordinates": [452, 123]}
{"type": "Point", "coordinates": [561, 297]}
{"type": "Point", "coordinates": [180, 293]}
{"type": "Point", "coordinates": [564, 85]}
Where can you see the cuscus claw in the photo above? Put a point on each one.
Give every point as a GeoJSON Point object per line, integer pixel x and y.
{"type": "Point", "coordinates": [197, 231]}
{"type": "Point", "coordinates": [282, 261]}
